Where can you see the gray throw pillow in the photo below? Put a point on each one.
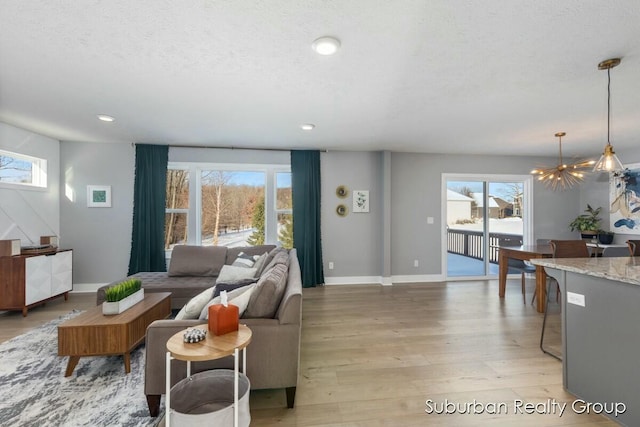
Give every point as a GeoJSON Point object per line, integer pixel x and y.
{"type": "Point", "coordinates": [244, 260]}
{"type": "Point", "coordinates": [231, 286]}
{"type": "Point", "coordinates": [260, 264]}
{"type": "Point", "coordinates": [280, 256]}
{"type": "Point", "coordinates": [231, 273]}
{"type": "Point", "coordinates": [197, 260]}
{"type": "Point", "coordinates": [267, 293]}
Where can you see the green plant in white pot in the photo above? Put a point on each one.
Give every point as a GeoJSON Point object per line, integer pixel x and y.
{"type": "Point", "coordinates": [122, 296]}
{"type": "Point", "coordinates": [588, 223]}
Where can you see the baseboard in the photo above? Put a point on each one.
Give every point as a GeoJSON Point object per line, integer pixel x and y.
{"type": "Point", "coordinates": [385, 281]}
{"type": "Point", "coordinates": [80, 288]}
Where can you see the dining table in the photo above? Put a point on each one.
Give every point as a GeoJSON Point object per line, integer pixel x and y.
{"type": "Point", "coordinates": [525, 253]}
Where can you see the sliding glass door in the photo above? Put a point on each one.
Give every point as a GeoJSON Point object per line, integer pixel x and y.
{"type": "Point", "coordinates": [480, 211]}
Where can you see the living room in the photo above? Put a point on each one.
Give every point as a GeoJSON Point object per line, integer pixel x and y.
{"type": "Point", "coordinates": [402, 170]}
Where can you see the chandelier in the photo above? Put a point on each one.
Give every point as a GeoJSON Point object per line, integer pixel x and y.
{"type": "Point", "coordinates": [608, 162]}
{"type": "Point", "coordinates": [562, 176]}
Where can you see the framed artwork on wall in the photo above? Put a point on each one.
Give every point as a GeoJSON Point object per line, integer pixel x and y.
{"type": "Point", "coordinates": [360, 201]}
{"type": "Point", "coordinates": [98, 196]}
{"type": "Point", "coordinates": [624, 200]}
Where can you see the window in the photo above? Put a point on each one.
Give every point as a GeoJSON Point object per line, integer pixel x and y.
{"type": "Point", "coordinates": [228, 205]}
{"type": "Point", "coordinates": [19, 169]}
{"type": "Point", "coordinates": [177, 208]}
{"type": "Point", "coordinates": [284, 209]}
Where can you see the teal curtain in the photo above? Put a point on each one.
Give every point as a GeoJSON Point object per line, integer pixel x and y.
{"type": "Point", "coordinates": [305, 186]}
{"type": "Point", "coordinates": [149, 195]}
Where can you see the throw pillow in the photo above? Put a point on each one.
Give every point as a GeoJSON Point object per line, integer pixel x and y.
{"type": "Point", "coordinates": [232, 285]}
{"type": "Point", "coordinates": [197, 260]}
{"type": "Point", "coordinates": [281, 256]}
{"type": "Point", "coordinates": [261, 263]}
{"type": "Point", "coordinates": [244, 260]}
{"type": "Point", "coordinates": [231, 273]}
{"type": "Point", "coordinates": [268, 292]}
{"type": "Point", "coordinates": [231, 296]}
{"type": "Point", "coordinates": [192, 309]}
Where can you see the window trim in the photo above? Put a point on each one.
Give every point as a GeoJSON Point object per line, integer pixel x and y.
{"type": "Point", "coordinates": [38, 172]}
{"type": "Point", "coordinates": [194, 212]}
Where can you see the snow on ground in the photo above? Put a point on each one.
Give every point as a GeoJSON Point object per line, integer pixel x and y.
{"type": "Point", "coordinates": [503, 225]}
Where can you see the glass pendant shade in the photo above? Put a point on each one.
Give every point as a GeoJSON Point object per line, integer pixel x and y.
{"type": "Point", "coordinates": [608, 162]}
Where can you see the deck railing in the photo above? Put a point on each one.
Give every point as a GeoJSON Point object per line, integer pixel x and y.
{"type": "Point", "coordinates": [471, 243]}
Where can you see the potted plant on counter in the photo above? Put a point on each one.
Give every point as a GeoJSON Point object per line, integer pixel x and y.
{"type": "Point", "coordinates": [588, 223]}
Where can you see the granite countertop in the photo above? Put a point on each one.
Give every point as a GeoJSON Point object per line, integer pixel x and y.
{"type": "Point", "coordinates": [623, 269]}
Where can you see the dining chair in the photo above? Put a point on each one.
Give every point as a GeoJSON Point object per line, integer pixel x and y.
{"type": "Point", "coordinates": [562, 249]}
{"type": "Point", "coordinates": [517, 264]}
{"type": "Point", "coordinates": [634, 247]}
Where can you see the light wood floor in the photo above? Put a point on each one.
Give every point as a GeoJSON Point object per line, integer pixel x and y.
{"type": "Point", "coordinates": [373, 355]}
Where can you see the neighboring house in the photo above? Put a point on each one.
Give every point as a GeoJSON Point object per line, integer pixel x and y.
{"type": "Point", "coordinates": [459, 207]}
{"type": "Point", "coordinates": [505, 209]}
{"type": "Point", "coordinates": [493, 210]}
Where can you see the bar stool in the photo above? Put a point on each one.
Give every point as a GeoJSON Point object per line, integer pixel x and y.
{"type": "Point", "coordinates": [562, 249]}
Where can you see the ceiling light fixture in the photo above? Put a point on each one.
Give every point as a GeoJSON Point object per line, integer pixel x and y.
{"type": "Point", "coordinates": [608, 162]}
{"type": "Point", "coordinates": [326, 45]}
{"type": "Point", "coordinates": [105, 118]}
{"type": "Point", "coordinates": [562, 176]}
{"type": "Point", "coordinates": [307, 126]}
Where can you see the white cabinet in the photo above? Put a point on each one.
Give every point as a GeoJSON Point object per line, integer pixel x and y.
{"type": "Point", "coordinates": [28, 280]}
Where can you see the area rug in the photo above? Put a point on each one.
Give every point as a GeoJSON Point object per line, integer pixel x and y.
{"type": "Point", "coordinates": [35, 392]}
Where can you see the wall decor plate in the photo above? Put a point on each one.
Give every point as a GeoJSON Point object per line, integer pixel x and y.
{"type": "Point", "coordinates": [341, 210]}
{"type": "Point", "coordinates": [342, 191]}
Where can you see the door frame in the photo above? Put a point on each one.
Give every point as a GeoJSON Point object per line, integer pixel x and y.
{"type": "Point", "coordinates": [527, 200]}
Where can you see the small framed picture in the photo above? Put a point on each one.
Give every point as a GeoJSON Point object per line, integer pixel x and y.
{"type": "Point", "coordinates": [98, 196]}
{"type": "Point", "coordinates": [361, 201]}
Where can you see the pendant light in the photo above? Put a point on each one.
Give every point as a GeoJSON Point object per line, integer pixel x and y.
{"type": "Point", "coordinates": [608, 162]}
{"type": "Point", "coordinates": [562, 176]}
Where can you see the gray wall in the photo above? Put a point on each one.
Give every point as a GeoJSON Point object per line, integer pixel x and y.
{"type": "Point", "coordinates": [100, 237]}
{"type": "Point", "coordinates": [28, 213]}
{"type": "Point", "coordinates": [355, 244]}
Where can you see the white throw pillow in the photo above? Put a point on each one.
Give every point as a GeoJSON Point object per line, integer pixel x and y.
{"type": "Point", "coordinates": [231, 273]}
{"type": "Point", "coordinates": [231, 297]}
{"type": "Point", "coordinates": [192, 309]}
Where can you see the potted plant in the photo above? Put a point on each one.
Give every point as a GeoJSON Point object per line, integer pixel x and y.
{"type": "Point", "coordinates": [122, 296]}
{"type": "Point", "coordinates": [588, 223]}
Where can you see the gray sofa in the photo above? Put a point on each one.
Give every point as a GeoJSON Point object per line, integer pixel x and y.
{"type": "Point", "coordinates": [192, 270]}
{"type": "Point", "coordinates": [273, 355]}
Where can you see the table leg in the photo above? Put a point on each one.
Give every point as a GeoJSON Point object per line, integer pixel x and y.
{"type": "Point", "coordinates": [541, 288]}
{"type": "Point", "coordinates": [167, 412]}
{"type": "Point", "coordinates": [235, 387]}
{"type": "Point", "coordinates": [127, 362]}
{"type": "Point", "coordinates": [502, 276]}
{"type": "Point", "coordinates": [71, 365]}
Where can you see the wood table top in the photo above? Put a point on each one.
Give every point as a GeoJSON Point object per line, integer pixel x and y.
{"type": "Point", "coordinates": [212, 347]}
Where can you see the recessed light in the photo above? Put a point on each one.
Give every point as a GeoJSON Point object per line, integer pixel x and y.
{"type": "Point", "coordinates": [326, 45]}
{"type": "Point", "coordinates": [105, 118]}
{"type": "Point", "coordinates": [307, 126]}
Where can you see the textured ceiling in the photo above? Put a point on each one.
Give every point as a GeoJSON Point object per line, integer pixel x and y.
{"type": "Point", "coordinates": [448, 76]}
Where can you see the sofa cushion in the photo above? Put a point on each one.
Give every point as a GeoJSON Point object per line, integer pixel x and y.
{"type": "Point", "coordinates": [197, 260]}
{"type": "Point", "coordinates": [232, 253]}
{"type": "Point", "coordinates": [231, 273]}
{"type": "Point", "coordinates": [231, 286]}
{"type": "Point", "coordinates": [268, 292]}
{"type": "Point", "coordinates": [193, 308]}
{"type": "Point", "coordinates": [233, 297]}
{"type": "Point", "coordinates": [261, 263]}
{"type": "Point", "coordinates": [277, 256]}
{"type": "Point", "coordinates": [244, 260]}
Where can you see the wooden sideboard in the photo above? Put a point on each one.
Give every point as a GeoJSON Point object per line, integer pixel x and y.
{"type": "Point", "coordinates": [30, 280]}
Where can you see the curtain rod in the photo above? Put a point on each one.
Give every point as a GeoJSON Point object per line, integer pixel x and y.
{"type": "Point", "coordinates": [228, 148]}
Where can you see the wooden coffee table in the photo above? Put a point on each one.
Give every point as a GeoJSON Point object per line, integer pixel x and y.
{"type": "Point", "coordinates": [94, 334]}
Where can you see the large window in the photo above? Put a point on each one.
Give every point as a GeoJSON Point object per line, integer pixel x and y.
{"type": "Point", "coordinates": [228, 205]}
{"type": "Point", "coordinates": [19, 169]}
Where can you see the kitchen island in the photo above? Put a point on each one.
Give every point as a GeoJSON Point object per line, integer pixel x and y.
{"type": "Point", "coordinates": [600, 333]}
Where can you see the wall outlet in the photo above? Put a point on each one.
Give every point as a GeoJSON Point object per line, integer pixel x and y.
{"type": "Point", "coordinates": [416, 263]}
{"type": "Point", "coordinates": [331, 265]}
{"type": "Point", "coordinates": [575, 299]}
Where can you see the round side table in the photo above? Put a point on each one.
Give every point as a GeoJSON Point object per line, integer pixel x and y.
{"type": "Point", "coordinates": [211, 348]}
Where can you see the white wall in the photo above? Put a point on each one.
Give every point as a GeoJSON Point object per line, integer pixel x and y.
{"type": "Point", "coordinates": [28, 213]}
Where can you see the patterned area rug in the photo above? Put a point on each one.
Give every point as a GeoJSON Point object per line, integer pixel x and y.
{"type": "Point", "coordinates": [35, 392]}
